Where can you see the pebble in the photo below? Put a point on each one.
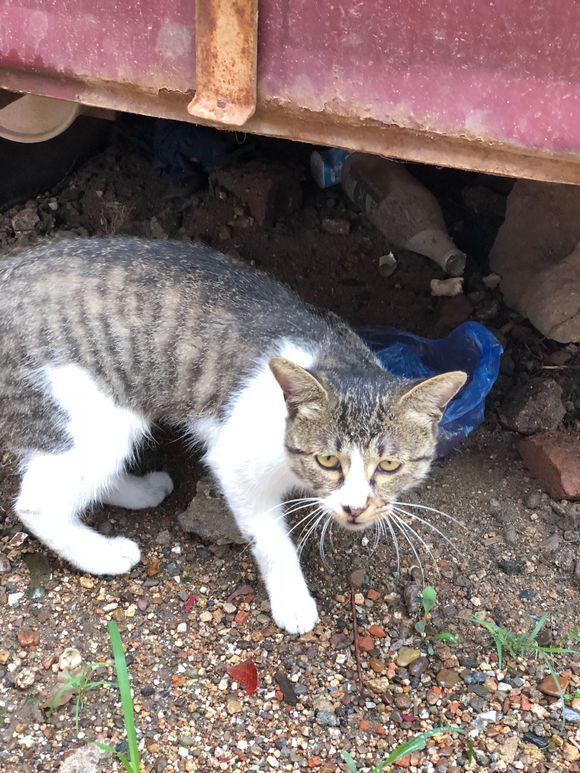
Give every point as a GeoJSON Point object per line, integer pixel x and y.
{"type": "Point", "coordinates": [532, 500]}
{"type": "Point", "coordinates": [206, 616]}
{"type": "Point", "coordinates": [413, 598]}
{"type": "Point", "coordinates": [14, 598]}
{"type": "Point", "coordinates": [327, 719]}
{"type": "Point", "coordinates": [69, 659]}
{"type": "Point", "coordinates": [571, 715]}
{"type": "Point", "coordinates": [403, 701]}
{"type": "Point", "coordinates": [357, 578]}
{"type": "Point", "coordinates": [164, 538]}
{"type": "Point", "coordinates": [25, 678]}
{"type": "Point", "coordinates": [4, 565]}
{"type": "Point", "coordinates": [536, 740]}
{"type": "Point", "coordinates": [233, 706]}
{"type": "Point", "coordinates": [229, 608]}
{"type": "Point", "coordinates": [86, 582]}
{"type": "Point", "coordinates": [418, 667]}
{"type": "Point", "coordinates": [407, 655]}
{"type": "Point", "coordinates": [548, 685]}
{"type": "Point", "coordinates": [147, 690]}
{"type": "Point", "coordinates": [448, 678]}
{"type": "Point", "coordinates": [27, 637]}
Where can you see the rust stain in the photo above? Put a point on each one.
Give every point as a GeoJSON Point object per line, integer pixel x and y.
{"type": "Point", "coordinates": [226, 42]}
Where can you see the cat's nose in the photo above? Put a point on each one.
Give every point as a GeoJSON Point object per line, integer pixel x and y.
{"type": "Point", "coordinates": [353, 512]}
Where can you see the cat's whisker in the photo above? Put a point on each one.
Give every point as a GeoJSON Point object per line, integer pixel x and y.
{"type": "Point", "coordinates": [429, 525]}
{"type": "Point", "coordinates": [323, 537]}
{"type": "Point", "coordinates": [398, 523]}
{"type": "Point", "coordinates": [433, 510]}
{"type": "Point", "coordinates": [385, 519]}
{"type": "Point", "coordinates": [302, 502]}
{"type": "Point", "coordinates": [422, 541]}
{"type": "Point", "coordinates": [310, 532]}
{"type": "Point", "coordinates": [305, 519]}
{"type": "Point", "coordinates": [293, 510]}
{"type": "Point", "coordinates": [377, 536]}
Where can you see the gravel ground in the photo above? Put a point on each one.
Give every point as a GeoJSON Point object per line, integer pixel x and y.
{"type": "Point", "coordinates": [191, 610]}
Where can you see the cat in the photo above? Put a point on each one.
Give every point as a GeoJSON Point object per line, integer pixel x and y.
{"type": "Point", "coordinates": [102, 337]}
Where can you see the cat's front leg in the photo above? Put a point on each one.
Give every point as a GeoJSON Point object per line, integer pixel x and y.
{"type": "Point", "coordinates": [261, 521]}
{"type": "Point", "coordinates": [292, 606]}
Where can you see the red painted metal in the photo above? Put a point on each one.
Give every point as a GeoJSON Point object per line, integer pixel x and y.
{"type": "Point", "coordinates": [491, 84]}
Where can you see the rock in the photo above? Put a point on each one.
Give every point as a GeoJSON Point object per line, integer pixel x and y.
{"type": "Point", "coordinates": [509, 749]}
{"type": "Point", "coordinates": [447, 287]}
{"type": "Point", "coordinates": [377, 666]}
{"type": "Point", "coordinates": [270, 191]}
{"type": "Point", "coordinates": [380, 685]}
{"type": "Point", "coordinates": [70, 659]}
{"type": "Point", "coordinates": [233, 706]}
{"type": "Point", "coordinates": [535, 254]}
{"type": "Point", "coordinates": [209, 518]}
{"type": "Point", "coordinates": [548, 685]}
{"type": "Point", "coordinates": [327, 719]}
{"type": "Point", "coordinates": [357, 578]}
{"type": "Point", "coordinates": [537, 740]}
{"type": "Point", "coordinates": [25, 678]}
{"type": "Point", "coordinates": [533, 500]}
{"type": "Point", "coordinates": [335, 225]}
{"type": "Point", "coordinates": [403, 701]}
{"type": "Point", "coordinates": [571, 715]}
{"type": "Point", "coordinates": [323, 703]}
{"type": "Point", "coordinates": [418, 667]}
{"type": "Point", "coordinates": [413, 598]}
{"type": "Point", "coordinates": [25, 220]}
{"type": "Point", "coordinates": [27, 637]}
{"type": "Point", "coordinates": [534, 407]}
{"type": "Point", "coordinates": [164, 538]}
{"type": "Point", "coordinates": [407, 655]}
{"type": "Point", "coordinates": [554, 458]}
{"type": "Point", "coordinates": [4, 564]}
{"type": "Point", "coordinates": [570, 752]}
{"type": "Point", "coordinates": [510, 566]}
{"type": "Point", "coordinates": [448, 678]}
{"type": "Point", "coordinates": [87, 759]}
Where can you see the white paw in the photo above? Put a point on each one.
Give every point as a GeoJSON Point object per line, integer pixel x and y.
{"type": "Point", "coordinates": [158, 485]}
{"type": "Point", "coordinates": [117, 556]}
{"type": "Point", "coordinates": [294, 612]}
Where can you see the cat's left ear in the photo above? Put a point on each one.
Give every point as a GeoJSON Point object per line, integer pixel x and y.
{"type": "Point", "coordinates": [430, 397]}
{"type": "Point", "coordinates": [300, 388]}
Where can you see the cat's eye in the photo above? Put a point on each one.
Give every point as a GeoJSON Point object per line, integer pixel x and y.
{"type": "Point", "coordinates": [328, 461]}
{"type": "Point", "coordinates": [389, 465]}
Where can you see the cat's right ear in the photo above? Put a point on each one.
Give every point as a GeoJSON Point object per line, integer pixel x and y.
{"type": "Point", "coordinates": [299, 387]}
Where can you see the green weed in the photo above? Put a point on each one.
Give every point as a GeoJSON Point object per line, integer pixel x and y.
{"type": "Point", "coordinates": [77, 686]}
{"type": "Point", "coordinates": [414, 744]}
{"type": "Point", "coordinates": [429, 603]}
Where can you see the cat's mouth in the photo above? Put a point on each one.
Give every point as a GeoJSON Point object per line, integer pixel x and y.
{"type": "Point", "coordinates": [359, 521]}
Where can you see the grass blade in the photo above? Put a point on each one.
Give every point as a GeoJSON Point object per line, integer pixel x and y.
{"type": "Point", "coordinates": [350, 763]}
{"type": "Point", "coordinates": [419, 742]}
{"type": "Point", "coordinates": [126, 696]}
{"type": "Point", "coordinates": [121, 757]}
{"type": "Point", "coordinates": [537, 628]}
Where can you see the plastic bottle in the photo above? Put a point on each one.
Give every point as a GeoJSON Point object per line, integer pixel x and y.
{"type": "Point", "coordinates": [326, 166]}
{"type": "Point", "coordinates": [401, 208]}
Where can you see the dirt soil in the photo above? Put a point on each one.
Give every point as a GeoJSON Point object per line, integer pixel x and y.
{"type": "Point", "coordinates": [515, 558]}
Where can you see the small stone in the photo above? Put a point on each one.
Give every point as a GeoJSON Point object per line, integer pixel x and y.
{"type": "Point", "coordinates": [87, 759]}
{"type": "Point", "coordinates": [25, 220]}
{"type": "Point", "coordinates": [4, 657]}
{"type": "Point", "coordinates": [206, 616]}
{"type": "Point", "coordinates": [359, 599]}
{"type": "Point", "coordinates": [418, 667]}
{"type": "Point", "coordinates": [164, 538]}
{"type": "Point", "coordinates": [403, 701]}
{"type": "Point", "coordinates": [366, 643]}
{"type": "Point", "coordinates": [373, 595]}
{"type": "Point", "coordinates": [87, 582]}
{"type": "Point", "coordinates": [233, 706]}
{"type": "Point", "coordinates": [532, 500]}
{"type": "Point", "coordinates": [335, 226]}
{"type": "Point", "coordinates": [327, 719]}
{"type": "Point", "coordinates": [379, 685]}
{"type": "Point", "coordinates": [27, 637]}
{"type": "Point", "coordinates": [537, 740]}
{"type": "Point", "coordinates": [4, 565]}
{"type": "Point", "coordinates": [448, 678]}
{"type": "Point", "coordinates": [377, 631]}
{"type": "Point", "coordinates": [229, 608]}
{"type": "Point", "coordinates": [377, 666]}
{"type": "Point", "coordinates": [357, 578]}
{"type": "Point", "coordinates": [25, 678]}
{"type": "Point", "coordinates": [147, 691]}
{"type": "Point", "coordinates": [14, 598]}
{"type": "Point", "coordinates": [548, 685]}
{"type": "Point", "coordinates": [570, 752]}
{"type": "Point", "coordinates": [407, 655]}
{"type": "Point", "coordinates": [70, 659]}
{"type": "Point", "coordinates": [181, 628]}
{"type": "Point", "coordinates": [572, 714]}
{"type": "Point", "coordinates": [272, 761]}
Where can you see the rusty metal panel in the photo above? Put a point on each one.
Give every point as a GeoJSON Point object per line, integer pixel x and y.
{"type": "Point", "coordinates": [225, 55]}
{"type": "Point", "coordinates": [148, 44]}
{"type": "Point", "coordinates": [492, 86]}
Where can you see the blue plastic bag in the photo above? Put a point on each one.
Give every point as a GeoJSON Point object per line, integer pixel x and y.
{"type": "Point", "coordinates": [470, 347]}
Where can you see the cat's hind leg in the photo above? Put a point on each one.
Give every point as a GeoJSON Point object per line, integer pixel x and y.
{"type": "Point", "coordinates": [57, 487]}
{"type": "Point", "coordinates": [138, 492]}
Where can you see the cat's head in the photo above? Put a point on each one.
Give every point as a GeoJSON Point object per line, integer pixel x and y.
{"type": "Point", "coordinates": [359, 440]}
